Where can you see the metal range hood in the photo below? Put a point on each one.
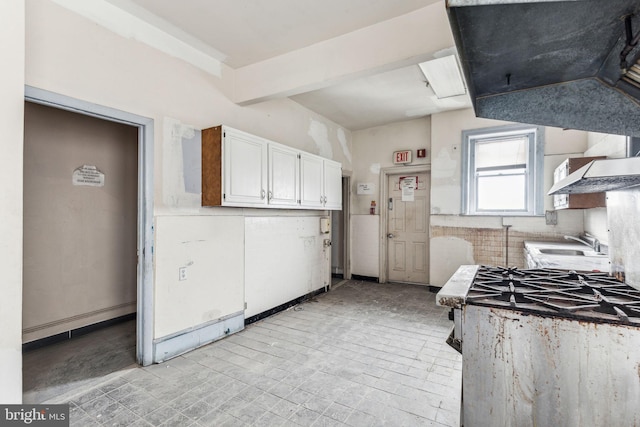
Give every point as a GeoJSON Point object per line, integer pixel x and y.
{"type": "Point", "coordinates": [567, 64]}
{"type": "Point", "coordinates": [601, 175]}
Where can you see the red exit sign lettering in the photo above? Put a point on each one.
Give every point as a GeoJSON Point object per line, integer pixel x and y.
{"type": "Point", "coordinates": [402, 156]}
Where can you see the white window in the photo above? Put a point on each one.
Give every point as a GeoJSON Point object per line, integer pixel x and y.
{"type": "Point", "coordinates": [502, 171]}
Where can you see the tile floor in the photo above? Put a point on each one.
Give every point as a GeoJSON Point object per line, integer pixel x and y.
{"type": "Point", "coordinates": [364, 354]}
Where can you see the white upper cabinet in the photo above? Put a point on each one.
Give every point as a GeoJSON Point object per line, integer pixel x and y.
{"type": "Point", "coordinates": [284, 176]}
{"type": "Point", "coordinates": [311, 181]}
{"type": "Point", "coordinates": [320, 183]}
{"type": "Point", "coordinates": [243, 170]}
{"type": "Point", "coordinates": [332, 185]}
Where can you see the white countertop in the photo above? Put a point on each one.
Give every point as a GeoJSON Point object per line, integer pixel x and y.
{"type": "Point", "coordinates": [591, 262]}
{"type": "Point", "coordinates": [454, 292]}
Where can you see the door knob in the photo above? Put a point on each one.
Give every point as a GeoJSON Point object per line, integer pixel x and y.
{"type": "Point", "coordinates": [390, 236]}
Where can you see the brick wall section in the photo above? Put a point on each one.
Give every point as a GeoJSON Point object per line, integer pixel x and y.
{"type": "Point", "coordinates": [489, 243]}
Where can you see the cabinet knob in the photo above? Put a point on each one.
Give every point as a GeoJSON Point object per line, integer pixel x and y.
{"type": "Point", "coordinates": [270, 195]}
{"type": "Point", "coordinates": [262, 194]}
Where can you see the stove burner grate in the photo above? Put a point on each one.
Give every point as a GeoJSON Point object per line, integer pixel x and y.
{"type": "Point", "coordinates": [549, 291]}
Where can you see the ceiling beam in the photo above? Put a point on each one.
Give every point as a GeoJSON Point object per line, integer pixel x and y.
{"type": "Point", "coordinates": [397, 42]}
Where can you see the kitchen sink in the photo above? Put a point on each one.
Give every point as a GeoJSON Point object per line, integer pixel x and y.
{"type": "Point", "coordinates": [569, 252]}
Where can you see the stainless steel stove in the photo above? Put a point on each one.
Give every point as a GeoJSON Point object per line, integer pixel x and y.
{"type": "Point", "coordinates": [594, 297]}
{"type": "Point", "coordinates": [545, 347]}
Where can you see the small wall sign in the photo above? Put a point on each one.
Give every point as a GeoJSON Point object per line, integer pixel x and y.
{"type": "Point", "coordinates": [88, 175]}
{"type": "Point", "coordinates": [365, 188]}
{"type": "Point", "coordinates": [401, 157]}
{"type": "Point", "coordinates": [408, 185]}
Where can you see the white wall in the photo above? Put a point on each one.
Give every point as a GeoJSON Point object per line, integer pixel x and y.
{"type": "Point", "coordinates": [373, 150]}
{"type": "Point", "coordinates": [70, 55]}
{"type": "Point", "coordinates": [211, 248]}
{"type": "Point", "coordinates": [447, 155]}
{"type": "Point", "coordinates": [441, 134]}
{"type": "Point", "coordinates": [448, 252]}
{"type": "Point", "coordinates": [277, 275]}
{"type": "Point", "coordinates": [365, 245]}
{"type": "Point", "coordinates": [12, 21]}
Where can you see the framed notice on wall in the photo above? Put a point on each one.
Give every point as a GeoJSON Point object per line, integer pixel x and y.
{"type": "Point", "coordinates": [408, 185]}
{"type": "Point", "coordinates": [365, 188]}
{"type": "Point", "coordinates": [88, 175]}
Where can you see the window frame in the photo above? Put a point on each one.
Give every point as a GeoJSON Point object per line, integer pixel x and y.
{"type": "Point", "coordinates": [534, 172]}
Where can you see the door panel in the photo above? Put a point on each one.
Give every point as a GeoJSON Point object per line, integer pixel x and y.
{"type": "Point", "coordinates": [408, 231]}
{"type": "Point", "coordinates": [399, 256]}
{"type": "Point", "coordinates": [419, 256]}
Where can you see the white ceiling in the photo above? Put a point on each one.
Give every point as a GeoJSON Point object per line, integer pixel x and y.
{"type": "Point", "coordinates": [244, 32]}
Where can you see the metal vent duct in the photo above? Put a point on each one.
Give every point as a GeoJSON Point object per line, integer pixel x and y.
{"type": "Point", "coordinates": [550, 62]}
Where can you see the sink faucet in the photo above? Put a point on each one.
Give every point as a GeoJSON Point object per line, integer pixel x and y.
{"type": "Point", "coordinates": [595, 245]}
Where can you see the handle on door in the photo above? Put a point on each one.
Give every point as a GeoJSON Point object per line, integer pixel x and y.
{"type": "Point", "coordinates": [390, 236]}
{"type": "Point", "coordinates": [262, 194]}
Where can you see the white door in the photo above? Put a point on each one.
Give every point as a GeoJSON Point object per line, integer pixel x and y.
{"type": "Point", "coordinates": [245, 169]}
{"type": "Point", "coordinates": [284, 176]}
{"type": "Point", "coordinates": [408, 228]}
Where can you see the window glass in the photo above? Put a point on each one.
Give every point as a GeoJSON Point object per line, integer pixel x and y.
{"type": "Point", "coordinates": [504, 192]}
{"type": "Point", "coordinates": [502, 171]}
{"type": "Point", "coordinates": [503, 152]}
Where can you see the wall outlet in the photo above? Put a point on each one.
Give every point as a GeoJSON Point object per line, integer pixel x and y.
{"type": "Point", "coordinates": [182, 273]}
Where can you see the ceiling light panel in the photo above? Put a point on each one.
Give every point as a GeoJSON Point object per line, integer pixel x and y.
{"type": "Point", "coordinates": [444, 76]}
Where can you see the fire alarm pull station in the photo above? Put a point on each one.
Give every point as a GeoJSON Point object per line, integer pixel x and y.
{"type": "Point", "coordinates": [325, 225]}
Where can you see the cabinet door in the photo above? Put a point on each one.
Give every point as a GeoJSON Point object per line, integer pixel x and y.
{"type": "Point", "coordinates": [245, 174]}
{"type": "Point", "coordinates": [284, 176]}
{"type": "Point", "coordinates": [311, 181]}
{"type": "Point", "coordinates": [332, 185]}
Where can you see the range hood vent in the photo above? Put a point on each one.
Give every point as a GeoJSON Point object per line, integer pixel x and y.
{"type": "Point", "coordinates": [601, 175]}
{"type": "Point", "coordinates": [571, 64]}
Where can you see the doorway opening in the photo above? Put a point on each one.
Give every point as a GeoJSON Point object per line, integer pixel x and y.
{"type": "Point", "coordinates": [88, 210]}
{"type": "Point", "coordinates": [340, 237]}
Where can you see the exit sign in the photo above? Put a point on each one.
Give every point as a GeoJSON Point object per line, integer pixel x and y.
{"type": "Point", "coordinates": [402, 156]}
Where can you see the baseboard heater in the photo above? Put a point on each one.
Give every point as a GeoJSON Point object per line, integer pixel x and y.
{"type": "Point", "coordinates": [283, 307]}
{"type": "Point", "coordinates": [74, 333]}
{"type": "Point", "coordinates": [365, 278]}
